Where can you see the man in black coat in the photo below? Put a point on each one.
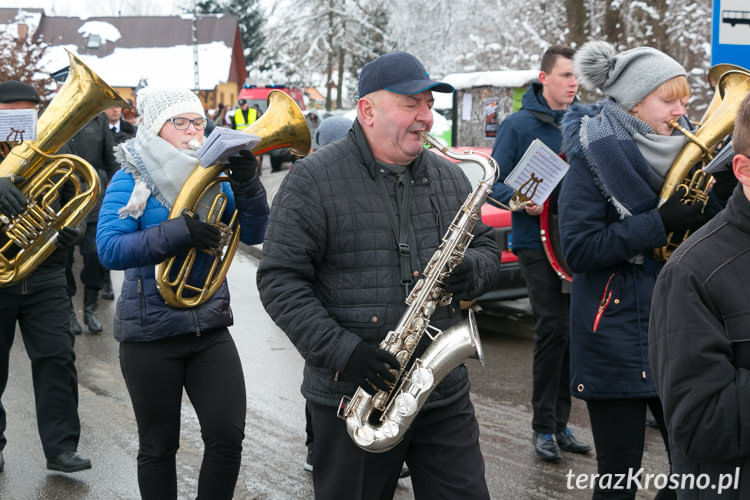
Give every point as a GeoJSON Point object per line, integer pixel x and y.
{"type": "Point", "coordinates": [121, 131]}
{"type": "Point", "coordinates": [699, 342]}
{"type": "Point", "coordinates": [351, 230]}
{"type": "Point", "coordinates": [41, 307]}
{"type": "Point", "coordinates": [94, 143]}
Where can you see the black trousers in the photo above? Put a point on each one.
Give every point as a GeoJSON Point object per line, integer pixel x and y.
{"type": "Point", "coordinates": [209, 369]}
{"type": "Point", "coordinates": [550, 398]}
{"type": "Point", "coordinates": [619, 427]}
{"type": "Point", "coordinates": [441, 450]}
{"type": "Point", "coordinates": [92, 269]}
{"type": "Point", "coordinates": [44, 319]}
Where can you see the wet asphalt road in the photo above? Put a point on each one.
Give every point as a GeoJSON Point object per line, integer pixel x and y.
{"type": "Point", "coordinates": [274, 450]}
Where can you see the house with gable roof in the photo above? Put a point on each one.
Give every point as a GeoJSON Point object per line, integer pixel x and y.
{"type": "Point", "coordinates": [130, 52]}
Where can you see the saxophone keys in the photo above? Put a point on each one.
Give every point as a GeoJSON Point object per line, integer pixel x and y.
{"type": "Point", "coordinates": [410, 343]}
{"type": "Point", "coordinates": [403, 358]}
{"type": "Point", "coordinates": [406, 404]}
{"type": "Point", "coordinates": [422, 378]}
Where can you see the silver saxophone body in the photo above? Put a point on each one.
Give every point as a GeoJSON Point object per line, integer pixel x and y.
{"type": "Point", "coordinates": [378, 422]}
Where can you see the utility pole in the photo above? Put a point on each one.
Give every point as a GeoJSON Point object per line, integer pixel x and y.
{"type": "Point", "coordinates": [195, 47]}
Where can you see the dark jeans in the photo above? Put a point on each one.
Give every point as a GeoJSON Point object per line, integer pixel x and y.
{"type": "Point", "coordinates": [551, 308]}
{"type": "Point", "coordinates": [441, 450]}
{"type": "Point", "coordinates": [44, 318]}
{"type": "Point", "coordinates": [92, 269]}
{"type": "Point", "coordinates": [619, 427]}
{"type": "Point", "coordinates": [209, 369]}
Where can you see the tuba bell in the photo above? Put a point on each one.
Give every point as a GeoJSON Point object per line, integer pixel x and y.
{"type": "Point", "coordinates": [718, 122]}
{"type": "Point", "coordinates": [29, 238]}
{"type": "Point", "coordinates": [282, 126]}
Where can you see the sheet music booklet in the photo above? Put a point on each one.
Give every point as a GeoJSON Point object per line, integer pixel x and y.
{"type": "Point", "coordinates": [17, 125]}
{"type": "Point", "coordinates": [537, 173]}
{"type": "Point", "coordinates": [223, 143]}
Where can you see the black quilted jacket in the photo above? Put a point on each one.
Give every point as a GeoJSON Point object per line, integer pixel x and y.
{"type": "Point", "coordinates": [330, 270]}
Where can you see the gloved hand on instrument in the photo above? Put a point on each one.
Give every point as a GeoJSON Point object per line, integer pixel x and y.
{"type": "Point", "coordinates": [678, 217]}
{"type": "Point", "coordinates": [12, 201]}
{"type": "Point", "coordinates": [725, 183]}
{"type": "Point", "coordinates": [204, 235]}
{"type": "Point", "coordinates": [460, 280]}
{"type": "Point", "coordinates": [67, 237]}
{"type": "Point", "coordinates": [242, 167]}
{"type": "Point", "coordinates": [370, 365]}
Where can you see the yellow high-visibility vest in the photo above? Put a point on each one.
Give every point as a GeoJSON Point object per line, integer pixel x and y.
{"type": "Point", "coordinates": [239, 118]}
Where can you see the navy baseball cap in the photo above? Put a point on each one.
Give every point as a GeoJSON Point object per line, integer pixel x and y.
{"type": "Point", "coordinates": [398, 72]}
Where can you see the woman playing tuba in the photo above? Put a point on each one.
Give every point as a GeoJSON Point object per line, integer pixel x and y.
{"type": "Point", "coordinates": [162, 348]}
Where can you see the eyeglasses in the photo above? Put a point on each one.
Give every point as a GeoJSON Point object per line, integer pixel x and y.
{"type": "Point", "coordinates": [183, 123]}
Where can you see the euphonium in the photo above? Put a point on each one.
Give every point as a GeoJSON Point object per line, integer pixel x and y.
{"type": "Point", "coordinates": [29, 238]}
{"type": "Point", "coordinates": [718, 123]}
{"type": "Point", "coordinates": [377, 423]}
{"type": "Point", "coordinates": [282, 126]}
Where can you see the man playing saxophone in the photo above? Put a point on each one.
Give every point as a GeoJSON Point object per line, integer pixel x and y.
{"type": "Point", "coordinates": [41, 306]}
{"type": "Point", "coordinates": [351, 229]}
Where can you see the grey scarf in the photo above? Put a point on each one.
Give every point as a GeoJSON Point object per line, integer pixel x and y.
{"type": "Point", "coordinates": [158, 168]}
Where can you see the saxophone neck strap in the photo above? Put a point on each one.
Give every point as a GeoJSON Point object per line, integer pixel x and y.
{"type": "Point", "coordinates": [401, 224]}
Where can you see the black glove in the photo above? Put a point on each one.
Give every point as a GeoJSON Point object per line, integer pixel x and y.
{"type": "Point", "coordinates": [243, 167]}
{"type": "Point", "coordinates": [67, 237]}
{"type": "Point", "coordinates": [678, 217]}
{"type": "Point", "coordinates": [204, 235]}
{"type": "Point", "coordinates": [725, 183]}
{"type": "Point", "coordinates": [370, 365]}
{"type": "Point", "coordinates": [12, 201]}
{"type": "Point", "coordinates": [460, 280]}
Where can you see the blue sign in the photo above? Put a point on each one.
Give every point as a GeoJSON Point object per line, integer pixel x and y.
{"type": "Point", "coordinates": [730, 36]}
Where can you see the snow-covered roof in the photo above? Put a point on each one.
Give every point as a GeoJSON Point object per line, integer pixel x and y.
{"type": "Point", "coordinates": [161, 66]}
{"type": "Point", "coordinates": [158, 48]}
{"type": "Point", "coordinates": [509, 78]}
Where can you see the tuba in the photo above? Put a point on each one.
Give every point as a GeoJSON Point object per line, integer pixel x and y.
{"type": "Point", "coordinates": [718, 122]}
{"type": "Point", "coordinates": [378, 422]}
{"type": "Point", "coordinates": [282, 126]}
{"type": "Point", "coordinates": [29, 238]}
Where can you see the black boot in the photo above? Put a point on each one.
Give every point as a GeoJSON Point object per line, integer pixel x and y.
{"type": "Point", "coordinates": [90, 303]}
{"type": "Point", "coordinates": [107, 293]}
{"type": "Point", "coordinates": [75, 326]}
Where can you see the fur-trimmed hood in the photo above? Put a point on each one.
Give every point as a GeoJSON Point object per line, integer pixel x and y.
{"type": "Point", "coordinates": [571, 126]}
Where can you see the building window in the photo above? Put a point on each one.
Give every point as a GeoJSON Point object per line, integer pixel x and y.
{"type": "Point", "coordinates": [93, 42]}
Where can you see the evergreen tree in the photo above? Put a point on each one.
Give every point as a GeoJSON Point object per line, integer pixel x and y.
{"type": "Point", "coordinates": [251, 22]}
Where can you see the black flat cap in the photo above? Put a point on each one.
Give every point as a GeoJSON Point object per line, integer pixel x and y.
{"type": "Point", "coordinates": [13, 91]}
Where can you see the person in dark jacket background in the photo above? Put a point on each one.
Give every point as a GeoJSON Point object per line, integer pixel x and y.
{"type": "Point", "coordinates": [334, 280]}
{"type": "Point", "coordinates": [700, 341]}
{"type": "Point", "coordinates": [619, 152]}
{"type": "Point", "coordinates": [121, 131]}
{"type": "Point", "coordinates": [543, 106]}
{"type": "Point", "coordinates": [163, 349]}
{"type": "Point", "coordinates": [42, 308]}
{"type": "Point", "coordinates": [93, 143]}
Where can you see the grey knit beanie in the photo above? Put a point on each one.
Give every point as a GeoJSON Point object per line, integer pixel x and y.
{"type": "Point", "coordinates": [331, 129]}
{"type": "Point", "coordinates": [627, 77]}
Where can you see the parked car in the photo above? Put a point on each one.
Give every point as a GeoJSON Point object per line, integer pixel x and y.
{"type": "Point", "coordinates": [512, 284]}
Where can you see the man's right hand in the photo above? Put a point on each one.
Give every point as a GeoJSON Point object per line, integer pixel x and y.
{"type": "Point", "coordinates": [370, 366]}
{"type": "Point", "coordinates": [12, 201]}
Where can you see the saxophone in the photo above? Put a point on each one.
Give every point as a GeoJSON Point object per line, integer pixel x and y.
{"type": "Point", "coordinates": [377, 422]}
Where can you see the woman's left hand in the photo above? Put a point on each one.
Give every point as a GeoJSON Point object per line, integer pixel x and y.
{"type": "Point", "coordinates": [243, 167]}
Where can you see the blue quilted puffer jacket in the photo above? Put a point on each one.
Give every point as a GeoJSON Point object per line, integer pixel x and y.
{"type": "Point", "coordinates": [137, 245]}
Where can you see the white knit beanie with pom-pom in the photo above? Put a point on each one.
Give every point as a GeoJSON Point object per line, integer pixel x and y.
{"type": "Point", "coordinates": [627, 77]}
{"type": "Point", "coordinates": [157, 105]}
